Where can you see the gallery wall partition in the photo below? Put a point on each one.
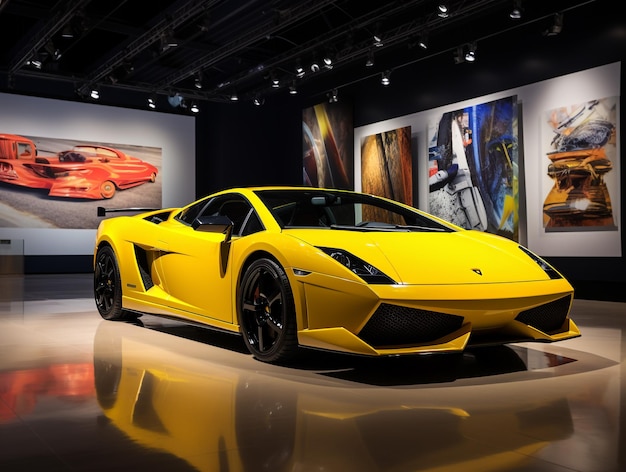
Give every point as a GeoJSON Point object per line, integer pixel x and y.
{"type": "Point", "coordinates": [62, 160]}
{"type": "Point", "coordinates": [555, 187]}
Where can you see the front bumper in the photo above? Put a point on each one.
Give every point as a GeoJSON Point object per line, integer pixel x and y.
{"type": "Point", "coordinates": [392, 320]}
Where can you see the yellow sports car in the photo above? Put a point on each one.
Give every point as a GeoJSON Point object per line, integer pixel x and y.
{"type": "Point", "coordinates": [292, 267]}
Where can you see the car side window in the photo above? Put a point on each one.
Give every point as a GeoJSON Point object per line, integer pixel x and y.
{"type": "Point", "coordinates": [238, 210]}
{"type": "Point", "coordinates": [25, 151]}
{"type": "Point", "coordinates": [189, 214]}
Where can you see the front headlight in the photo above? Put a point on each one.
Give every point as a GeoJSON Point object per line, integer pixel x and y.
{"type": "Point", "coordinates": [547, 268]}
{"type": "Point", "coordinates": [367, 272]}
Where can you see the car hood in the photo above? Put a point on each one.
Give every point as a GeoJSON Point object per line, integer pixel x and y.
{"type": "Point", "coordinates": [458, 257]}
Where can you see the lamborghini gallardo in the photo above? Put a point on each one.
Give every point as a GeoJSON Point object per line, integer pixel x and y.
{"type": "Point", "coordinates": [299, 267]}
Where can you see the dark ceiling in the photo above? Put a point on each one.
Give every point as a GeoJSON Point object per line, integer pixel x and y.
{"type": "Point", "coordinates": [233, 46]}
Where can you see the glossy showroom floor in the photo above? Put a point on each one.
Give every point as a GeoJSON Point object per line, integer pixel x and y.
{"type": "Point", "coordinates": [78, 393]}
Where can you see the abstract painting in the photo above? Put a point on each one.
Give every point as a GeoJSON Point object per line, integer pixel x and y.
{"type": "Point", "coordinates": [474, 167]}
{"type": "Point", "coordinates": [580, 144]}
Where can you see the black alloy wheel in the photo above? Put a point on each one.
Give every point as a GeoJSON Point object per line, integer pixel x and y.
{"type": "Point", "coordinates": [267, 313]}
{"type": "Point", "coordinates": [107, 285]}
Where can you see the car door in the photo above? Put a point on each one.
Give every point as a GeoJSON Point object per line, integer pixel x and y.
{"type": "Point", "coordinates": [198, 269]}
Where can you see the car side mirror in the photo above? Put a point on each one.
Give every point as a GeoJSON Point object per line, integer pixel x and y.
{"type": "Point", "coordinates": [217, 224]}
{"type": "Point", "coordinates": [213, 224]}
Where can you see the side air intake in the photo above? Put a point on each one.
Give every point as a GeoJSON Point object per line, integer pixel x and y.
{"type": "Point", "coordinates": [144, 268]}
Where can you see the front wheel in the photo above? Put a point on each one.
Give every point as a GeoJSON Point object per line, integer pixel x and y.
{"type": "Point", "coordinates": [267, 313]}
{"type": "Point", "coordinates": [107, 285]}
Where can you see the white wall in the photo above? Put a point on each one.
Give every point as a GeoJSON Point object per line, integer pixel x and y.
{"type": "Point", "coordinates": [174, 134]}
{"type": "Point", "coordinates": [534, 100]}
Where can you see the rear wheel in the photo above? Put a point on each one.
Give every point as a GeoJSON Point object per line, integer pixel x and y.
{"type": "Point", "coordinates": [107, 189]}
{"type": "Point", "coordinates": [267, 313]}
{"type": "Point", "coordinates": [107, 286]}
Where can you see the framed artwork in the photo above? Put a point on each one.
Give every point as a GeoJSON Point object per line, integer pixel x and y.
{"type": "Point", "coordinates": [59, 183]}
{"type": "Point", "coordinates": [580, 142]}
{"type": "Point", "coordinates": [386, 165]}
{"type": "Point", "coordinates": [473, 167]}
{"type": "Point", "coordinates": [328, 146]}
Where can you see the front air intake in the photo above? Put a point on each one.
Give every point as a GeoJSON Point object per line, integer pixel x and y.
{"type": "Point", "coordinates": [548, 318]}
{"type": "Point", "coordinates": [393, 325]}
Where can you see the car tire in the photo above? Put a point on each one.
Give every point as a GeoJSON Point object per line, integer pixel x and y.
{"type": "Point", "coordinates": [267, 312]}
{"type": "Point", "coordinates": [107, 189]}
{"type": "Point", "coordinates": [107, 286]}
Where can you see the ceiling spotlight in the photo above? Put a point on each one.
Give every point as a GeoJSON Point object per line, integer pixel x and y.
{"type": "Point", "coordinates": [315, 66]}
{"type": "Point", "coordinates": [95, 93]}
{"type": "Point", "coordinates": [152, 102]}
{"type": "Point", "coordinates": [194, 107]}
{"type": "Point", "coordinates": [369, 62]}
{"type": "Point", "coordinates": [275, 81]}
{"type": "Point", "coordinates": [385, 78]}
{"type": "Point", "coordinates": [470, 55]}
{"type": "Point", "coordinates": [292, 88]}
{"type": "Point", "coordinates": [35, 61]}
{"type": "Point", "coordinates": [197, 81]}
{"type": "Point", "coordinates": [205, 24]}
{"type": "Point", "coordinates": [128, 67]}
{"type": "Point", "coordinates": [234, 97]}
{"type": "Point", "coordinates": [443, 11]}
{"type": "Point", "coordinates": [423, 40]}
{"type": "Point", "coordinates": [53, 52]}
{"type": "Point", "coordinates": [377, 37]}
{"type": "Point", "coordinates": [328, 61]}
{"type": "Point", "coordinates": [333, 96]}
{"type": "Point", "coordinates": [168, 41]}
{"type": "Point", "coordinates": [516, 11]}
{"type": "Point", "coordinates": [556, 27]}
{"type": "Point", "coordinates": [67, 32]}
{"type": "Point", "coordinates": [258, 101]}
{"type": "Point", "coordinates": [299, 69]}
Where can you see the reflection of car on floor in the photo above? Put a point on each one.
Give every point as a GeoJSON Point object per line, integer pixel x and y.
{"type": "Point", "coordinates": [167, 394]}
{"type": "Point", "coordinates": [328, 269]}
{"type": "Point", "coordinates": [91, 171]}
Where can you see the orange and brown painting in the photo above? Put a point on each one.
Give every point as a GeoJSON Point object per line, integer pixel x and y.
{"type": "Point", "coordinates": [386, 166]}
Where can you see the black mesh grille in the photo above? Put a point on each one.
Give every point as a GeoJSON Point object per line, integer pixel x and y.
{"type": "Point", "coordinates": [393, 325]}
{"type": "Point", "coordinates": [547, 318]}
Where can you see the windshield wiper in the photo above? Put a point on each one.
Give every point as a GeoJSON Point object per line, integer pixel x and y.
{"type": "Point", "coordinates": [421, 228]}
{"type": "Point", "coordinates": [387, 227]}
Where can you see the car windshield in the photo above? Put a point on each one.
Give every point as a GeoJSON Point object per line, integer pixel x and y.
{"type": "Point", "coordinates": [312, 208]}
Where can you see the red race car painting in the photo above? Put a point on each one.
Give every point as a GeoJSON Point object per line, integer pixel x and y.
{"type": "Point", "coordinates": [86, 171]}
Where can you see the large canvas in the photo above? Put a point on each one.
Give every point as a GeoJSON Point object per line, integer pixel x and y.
{"type": "Point", "coordinates": [62, 185]}
{"type": "Point", "coordinates": [328, 146]}
{"type": "Point", "coordinates": [386, 165]}
{"type": "Point", "coordinates": [474, 167]}
{"type": "Point", "coordinates": [579, 142]}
